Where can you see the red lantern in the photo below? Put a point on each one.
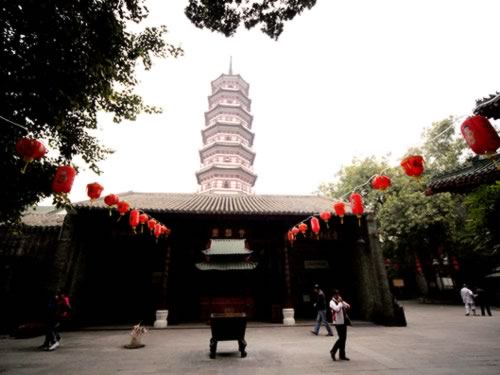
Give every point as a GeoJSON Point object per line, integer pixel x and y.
{"type": "Point", "coordinates": [315, 227]}
{"type": "Point", "coordinates": [325, 216]}
{"type": "Point", "coordinates": [63, 180]}
{"type": "Point", "coordinates": [133, 219]}
{"type": "Point", "coordinates": [455, 263]}
{"type": "Point", "coordinates": [339, 208]}
{"type": "Point", "coordinates": [157, 231]}
{"type": "Point", "coordinates": [110, 200]}
{"type": "Point", "coordinates": [418, 265]}
{"type": "Point", "coordinates": [413, 165]}
{"type": "Point", "coordinates": [165, 230]}
{"type": "Point", "coordinates": [123, 207]}
{"type": "Point", "coordinates": [295, 231]}
{"type": "Point", "coordinates": [291, 237]}
{"type": "Point", "coordinates": [357, 205]}
{"type": "Point", "coordinates": [94, 191]}
{"type": "Point", "coordinates": [480, 135]}
{"type": "Point", "coordinates": [143, 219]}
{"type": "Point", "coordinates": [381, 182]}
{"type": "Point", "coordinates": [303, 228]}
{"type": "Point", "coordinates": [30, 149]}
{"type": "Point", "coordinates": [151, 224]}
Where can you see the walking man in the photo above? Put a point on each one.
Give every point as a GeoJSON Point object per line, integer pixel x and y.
{"type": "Point", "coordinates": [320, 306]}
{"type": "Point", "coordinates": [468, 300]}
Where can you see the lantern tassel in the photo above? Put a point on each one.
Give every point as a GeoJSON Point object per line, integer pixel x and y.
{"type": "Point", "coordinates": [359, 220]}
{"type": "Point", "coordinates": [25, 166]}
{"type": "Point", "coordinates": [341, 220]}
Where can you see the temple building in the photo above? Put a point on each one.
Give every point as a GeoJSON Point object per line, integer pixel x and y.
{"type": "Point", "coordinates": [227, 156]}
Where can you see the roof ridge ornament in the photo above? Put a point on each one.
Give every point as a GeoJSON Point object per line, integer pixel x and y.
{"type": "Point", "coordinates": [230, 65]}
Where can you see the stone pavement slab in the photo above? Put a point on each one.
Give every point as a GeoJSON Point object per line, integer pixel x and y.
{"type": "Point", "coordinates": [439, 340]}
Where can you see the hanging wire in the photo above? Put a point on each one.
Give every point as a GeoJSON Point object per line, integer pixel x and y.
{"type": "Point", "coordinates": [14, 123]}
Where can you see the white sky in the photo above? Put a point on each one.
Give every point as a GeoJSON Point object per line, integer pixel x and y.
{"type": "Point", "coordinates": [346, 79]}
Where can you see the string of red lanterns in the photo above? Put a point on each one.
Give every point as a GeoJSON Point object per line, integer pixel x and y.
{"type": "Point", "coordinates": [136, 217]}
{"type": "Point", "coordinates": [357, 208]}
{"type": "Point", "coordinates": [477, 131]}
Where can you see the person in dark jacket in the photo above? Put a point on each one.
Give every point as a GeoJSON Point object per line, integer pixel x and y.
{"type": "Point", "coordinates": [483, 301]}
{"type": "Point", "coordinates": [320, 307]}
{"type": "Point", "coordinates": [52, 337]}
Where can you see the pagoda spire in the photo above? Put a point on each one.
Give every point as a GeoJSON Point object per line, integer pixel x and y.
{"type": "Point", "coordinates": [231, 65]}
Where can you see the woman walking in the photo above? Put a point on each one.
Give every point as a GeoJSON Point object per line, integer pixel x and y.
{"type": "Point", "coordinates": [341, 321]}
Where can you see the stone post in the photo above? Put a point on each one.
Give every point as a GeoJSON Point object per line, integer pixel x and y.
{"type": "Point", "coordinates": [162, 312]}
{"type": "Point", "coordinates": [288, 311]}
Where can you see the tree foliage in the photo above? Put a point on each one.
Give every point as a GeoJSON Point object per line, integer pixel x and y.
{"type": "Point", "coordinates": [225, 16]}
{"type": "Point", "coordinates": [62, 62]}
{"type": "Point", "coordinates": [481, 232]}
{"type": "Point", "coordinates": [443, 150]}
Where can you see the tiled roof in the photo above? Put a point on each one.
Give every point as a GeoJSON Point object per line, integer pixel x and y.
{"type": "Point", "coordinates": [489, 106]}
{"type": "Point", "coordinates": [43, 216]}
{"type": "Point", "coordinates": [226, 266]}
{"type": "Point", "coordinates": [466, 178]}
{"type": "Point", "coordinates": [227, 247]}
{"type": "Point", "coordinates": [194, 203]}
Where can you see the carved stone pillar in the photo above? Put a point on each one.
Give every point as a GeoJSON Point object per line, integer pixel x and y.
{"type": "Point", "coordinates": [288, 311]}
{"type": "Point", "coordinates": [162, 312]}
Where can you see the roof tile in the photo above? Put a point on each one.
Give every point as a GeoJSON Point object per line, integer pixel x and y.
{"type": "Point", "coordinates": [194, 203]}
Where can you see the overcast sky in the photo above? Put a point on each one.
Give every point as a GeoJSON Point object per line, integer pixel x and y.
{"type": "Point", "coordinates": [346, 79]}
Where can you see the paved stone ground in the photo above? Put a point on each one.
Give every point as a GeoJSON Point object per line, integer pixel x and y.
{"type": "Point", "coordinates": [438, 340]}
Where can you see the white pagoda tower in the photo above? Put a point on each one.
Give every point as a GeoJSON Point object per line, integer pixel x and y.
{"type": "Point", "coordinates": [227, 156]}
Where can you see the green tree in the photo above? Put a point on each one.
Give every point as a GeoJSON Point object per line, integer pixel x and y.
{"type": "Point", "coordinates": [225, 16]}
{"type": "Point", "coordinates": [62, 62]}
{"type": "Point", "coordinates": [481, 232]}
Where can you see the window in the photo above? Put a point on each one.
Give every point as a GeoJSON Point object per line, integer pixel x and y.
{"type": "Point", "coordinates": [226, 184]}
{"type": "Point", "coordinates": [228, 232]}
{"type": "Point", "coordinates": [215, 232]}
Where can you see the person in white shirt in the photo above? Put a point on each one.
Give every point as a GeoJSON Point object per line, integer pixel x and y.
{"type": "Point", "coordinates": [468, 299]}
{"type": "Point", "coordinates": [340, 320]}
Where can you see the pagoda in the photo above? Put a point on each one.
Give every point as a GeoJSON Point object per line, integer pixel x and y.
{"type": "Point", "coordinates": [227, 156]}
